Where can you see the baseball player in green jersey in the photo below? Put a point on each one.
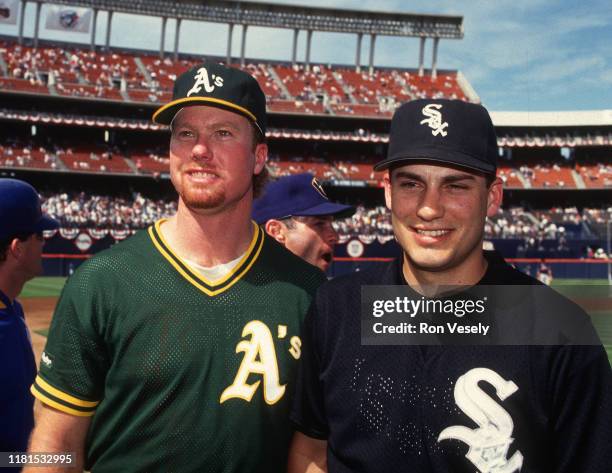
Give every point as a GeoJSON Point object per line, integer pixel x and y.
{"type": "Point", "coordinates": [175, 350]}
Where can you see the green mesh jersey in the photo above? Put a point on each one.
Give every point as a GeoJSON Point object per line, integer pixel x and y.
{"type": "Point", "coordinates": [180, 374]}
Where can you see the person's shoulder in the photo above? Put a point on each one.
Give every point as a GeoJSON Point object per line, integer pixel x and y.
{"type": "Point", "coordinates": [286, 266]}
{"type": "Point", "coordinates": [380, 274]}
{"type": "Point", "coordinates": [557, 315]}
{"type": "Point", "coordinates": [502, 273]}
{"type": "Point", "coordinates": [126, 255]}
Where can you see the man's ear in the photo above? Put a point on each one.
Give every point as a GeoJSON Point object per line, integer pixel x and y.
{"type": "Point", "coordinates": [495, 197]}
{"type": "Point", "coordinates": [261, 156]}
{"type": "Point", "coordinates": [276, 229]}
{"type": "Point", "coordinates": [15, 248]}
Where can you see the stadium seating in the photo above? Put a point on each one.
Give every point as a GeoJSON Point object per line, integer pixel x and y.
{"type": "Point", "coordinates": [94, 159]}
{"type": "Point", "coordinates": [142, 77]}
{"type": "Point", "coordinates": [15, 155]}
{"type": "Point", "coordinates": [595, 175]}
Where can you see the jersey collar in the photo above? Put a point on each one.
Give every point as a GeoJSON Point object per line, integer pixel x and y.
{"type": "Point", "coordinates": [210, 288]}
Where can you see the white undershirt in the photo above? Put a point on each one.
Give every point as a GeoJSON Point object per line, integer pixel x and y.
{"type": "Point", "coordinates": [214, 273]}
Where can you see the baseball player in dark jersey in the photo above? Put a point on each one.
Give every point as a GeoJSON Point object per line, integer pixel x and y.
{"type": "Point", "coordinates": [542, 406]}
{"type": "Point", "coordinates": [21, 243]}
{"type": "Point", "coordinates": [296, 212]}
{"type": "Point", "coordinates": [175, 351]}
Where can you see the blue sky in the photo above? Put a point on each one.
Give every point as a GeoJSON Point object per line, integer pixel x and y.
{"type": "Point", "coordinates": [527, 55]}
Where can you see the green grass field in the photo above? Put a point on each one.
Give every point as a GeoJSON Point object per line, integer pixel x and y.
{"type": "Point", "coordinates": [43, 287]}
{"type": "Point", "coordinates": [582, 288]}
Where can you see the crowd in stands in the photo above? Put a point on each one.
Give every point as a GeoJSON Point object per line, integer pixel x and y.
{"type": "Point", "coordinates": [132, 159]}
{"type": "Point", "coordinates": [137, 212]}
{"type": "Point", "coordinates": [118, 75]}
{"type": "Point", "coordinates": [102, 211]}
{"type": "Point", "coordinates": [17, 153]}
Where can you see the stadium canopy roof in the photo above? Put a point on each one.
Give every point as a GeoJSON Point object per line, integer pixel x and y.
{"type": "Point", "coordinates": [274, 15]}
{"type": "Point", "coordinates": [288, 16]}
{"type": "Point", "coordinates": [552, 119]}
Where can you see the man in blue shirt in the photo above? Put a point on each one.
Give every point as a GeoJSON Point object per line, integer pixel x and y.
{"type": "Point", "coordinates": [21, 243]}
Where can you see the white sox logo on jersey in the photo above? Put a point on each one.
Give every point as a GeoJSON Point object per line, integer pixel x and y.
{"type": "Point", "coordinates": [202, 80]}
{"type": "Point", "coordinates": [260, 358]}
{"type": "Point", "coordinates": [434, 119]}
{"type": "Point", "coordinates": [490, 442]}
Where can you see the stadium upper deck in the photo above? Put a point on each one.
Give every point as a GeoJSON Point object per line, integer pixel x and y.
{"type": "Point", "coordinates": [145, 78]}
{"type": "Point", "coordinates": [308, 101]}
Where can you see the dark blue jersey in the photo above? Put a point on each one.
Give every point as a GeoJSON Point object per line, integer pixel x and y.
{"type": "Point", "coordinates": [443, 409]}
{"type": "Point", "coordinates": [17, 372]}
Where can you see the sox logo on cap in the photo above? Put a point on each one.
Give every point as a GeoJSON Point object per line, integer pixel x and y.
{"type": "Point", "coordinates": [434, 119]}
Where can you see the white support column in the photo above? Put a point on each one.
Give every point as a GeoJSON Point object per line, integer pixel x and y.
{"type": "Point", "coordinates": [162, 41]}
{"type": "Point", "coordinates": [177, 35]}
{"type": "Point", "coordinates": [243, 44]}
{"type": "Point", "coordinates": [372, 46]}
{"type": "Point", "coordinates": [308, 44]}
{"type": "Point", "coordinates": [230, 34]}
{"type": "Point", "coordinates": [109, 24]}
{"type": "Point", "coordinates": [92, 44]}
{"type": "Point", "coordinates": [434, 59]}
{"type": "Point", "coordinates": [21, 20]}
{"type": "Point", "coordinates": [296, 32]}
{"type": "Point", "coordinates": [37, 23]}
{"type": "Point", "coordinates": [358, 53]}
{"type": "Point", "coordinates": [422, 56]}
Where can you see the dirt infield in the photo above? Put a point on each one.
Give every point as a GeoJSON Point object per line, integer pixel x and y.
{"type": "Point", "coordinates": [38, 312]}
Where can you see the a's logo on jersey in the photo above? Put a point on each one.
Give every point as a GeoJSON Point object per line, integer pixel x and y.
{"type": "Point", "coordinates": [202, 80]}
{"type": "Point", "coordinates": [260, 359]}
{"type": "Point", "coordinates": [489, 443]}
{"type": "Point", "coordinates": [296, 347]}
{"type": "Point", "coordinates": [318, 187]}
{"type": "Point", "coordinates": [46, 360]}
{"type": "Point", "coordinates": [434, 119]}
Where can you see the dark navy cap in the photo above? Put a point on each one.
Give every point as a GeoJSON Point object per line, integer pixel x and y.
{"type": "Point", "coordinates": [445, 131]}
{"type": "Point", "coordinates": [219, 86]}
{"type": "Point", "coordinates": [20, 212]}
{"type": "Point", "coordinates": [293, 196]}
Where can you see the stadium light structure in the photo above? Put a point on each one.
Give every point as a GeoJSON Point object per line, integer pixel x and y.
{"type": "Point", "coordinates": [297, 18]}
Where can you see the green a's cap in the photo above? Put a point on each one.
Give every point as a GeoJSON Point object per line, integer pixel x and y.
{"type": "Point", "coordinates": [219, 86]}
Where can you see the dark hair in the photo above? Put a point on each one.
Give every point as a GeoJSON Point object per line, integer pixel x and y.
{"type": "Point", "coordinates": [289, 222]}
{"type": "Point", "coordinates": [490, 179]}
{"type": "Point", "coordinates": [259, 180]}
{"type": "Point", "coordinates": [4, 244]}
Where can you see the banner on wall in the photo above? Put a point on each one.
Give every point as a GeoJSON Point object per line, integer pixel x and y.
{"type": "Point", "coordinates": [9, 10]}
{"type": "Point", "coordinates": [77, 20]}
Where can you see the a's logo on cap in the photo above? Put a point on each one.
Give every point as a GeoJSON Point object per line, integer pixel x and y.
{"type": "Point", "coordinates": [202, 79]}
{"type": "Point", "coordinates": [434, 120]}
{"type": "Point", "coordinates": [319, 188]}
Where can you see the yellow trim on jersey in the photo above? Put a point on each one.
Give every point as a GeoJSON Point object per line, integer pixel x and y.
{"type": "Point", "coordinates": [60, 407]}
{"type": "Point", "coordinates": [210, 288]}
{"type": "Point", "coordinates": [203, 99]}
{"type": "Point", "coordinates": [2, 305]}
{"type": "Point", "coordinates": [64, 396]}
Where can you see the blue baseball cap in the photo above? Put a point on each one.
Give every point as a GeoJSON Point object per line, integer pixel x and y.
{"type": "Point", "coordinates": [20, 211]}
{"type": "Point", "coordinates": [293, 196]}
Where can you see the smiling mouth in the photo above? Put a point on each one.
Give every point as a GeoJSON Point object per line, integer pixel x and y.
{"type": "Point", "coordinates": [432, 233]}
{"type": "Point", "coordinates": [201, 173]}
